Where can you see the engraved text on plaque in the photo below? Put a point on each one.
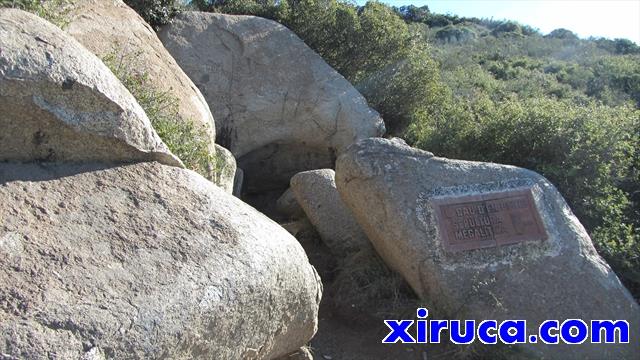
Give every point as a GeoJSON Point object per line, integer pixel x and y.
{"type": "Point", "coordinates": [488, 220]}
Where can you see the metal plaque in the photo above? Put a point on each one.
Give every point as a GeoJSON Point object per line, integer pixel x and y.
{"type": "Point", "coordinates": [488, 220]}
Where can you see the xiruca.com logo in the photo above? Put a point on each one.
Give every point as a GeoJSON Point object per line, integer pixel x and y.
{"type": "Point", "coordinates": [570, 331]}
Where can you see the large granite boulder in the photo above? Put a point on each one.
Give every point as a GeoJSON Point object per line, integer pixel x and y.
{"type": "Point", "coordinates": [144, 261]}
{"type": "Point", "coordinates": [278, 106]}
{"type": "Point", "coordinates": [316, 192]}
{"type": "Point", "coordinates": [61, 103]}
{"type": "Point", "coordinates": [111, 28]}
{"type": "Point", "coordinates": [484, 241]}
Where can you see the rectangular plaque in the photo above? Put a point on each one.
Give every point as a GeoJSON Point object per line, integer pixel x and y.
{"type": "Point", "coordinates": [488, 220]}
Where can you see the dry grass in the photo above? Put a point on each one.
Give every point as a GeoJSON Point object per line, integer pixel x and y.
{"type": "Point", "coordinates": [54, 11]}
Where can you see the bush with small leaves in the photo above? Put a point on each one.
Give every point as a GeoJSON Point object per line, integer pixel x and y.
{"type": "Point", "coordinates": [589, 152]}
{"type": "Point", "coordinates": [54, 11]}
{"type": "Point", "coordinates": [155, 12]}
{"type": "Point", "coordinates": [183, 138]}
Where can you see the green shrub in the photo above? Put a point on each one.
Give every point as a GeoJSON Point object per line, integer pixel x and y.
{"type": "Point", "coordinates": [438, 20]}
{"type": "Point", "coordinates": [626, 46]}
{"type": "Point", "coordinates": [187, 141]}
{"type": "Point", "coordinates": [384, 39]}
{"type": "Point", "coordinates": [155, 12]}
{"type": "Point", "coordinates": [455, 34]}
{"type": "Point", "coordinates": [405, 91]}
{"type": "Point", "coordinates": [354, 41]}
{"type": "Point", "coordinates": [589, 152]}
{"type": "Point", "coordinates": [262, 8]}
{"type": "Point", "coordinates": [562, 34]}
{"type": "Point", "coordinates": [507, 28]}
{"type": "Point", "coordinates": [619, 73]}
{"type": "Point", "coordinates": [54, 11]}
{"type": "Point", "coordinates": [412, 13]}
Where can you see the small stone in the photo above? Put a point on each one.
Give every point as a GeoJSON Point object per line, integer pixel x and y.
{"type": "Point", "coordinates": [316, 192]}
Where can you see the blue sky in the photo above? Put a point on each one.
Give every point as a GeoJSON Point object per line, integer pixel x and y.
{"type": "Point", "coordinates": [606, 18]}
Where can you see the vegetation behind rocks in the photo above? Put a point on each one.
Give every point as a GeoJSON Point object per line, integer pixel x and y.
{"type": "Point", "coordinates": [156, 12]}
{"type": "Point", "coordinates": [562, 106]}
{"type": "Point", "coordinates": [183, 138]}
{"type": "Point", "coordinates": [559, 105]}
{"type": "Point", "coordinates": [52, 10]}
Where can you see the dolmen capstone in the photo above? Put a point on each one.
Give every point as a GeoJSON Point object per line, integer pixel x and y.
{"type": "Point", "coordinates": [484, 241]}
{"type": "Point", "coordinates": [278, 106]}
{"type": "Point", "coordinates": [108, 247]}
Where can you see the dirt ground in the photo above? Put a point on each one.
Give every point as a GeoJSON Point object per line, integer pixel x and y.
{"type": "Point", "coordinates": [348, 332]}
{"type": "Point", "coordinates": [352, 333]}
{"type": "Point", "coordinates": [337, 339]}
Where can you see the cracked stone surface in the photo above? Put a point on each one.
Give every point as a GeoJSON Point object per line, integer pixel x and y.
{"type": "Point", "coordinates": [61, 103]}
{"type": "Point", "coordinates": [145, 261]}
{"type": "Point", "coordinates": [390, 188]}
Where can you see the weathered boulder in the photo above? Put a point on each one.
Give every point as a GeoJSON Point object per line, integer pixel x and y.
{"type": "Point", "coordinates": [484, 241]}
{"type": "Point", "coordinates": [288, 206]}
{"type": "Point", "coordinates": [278, 106]}
{"type": "Point", "coordinates": [316, 193]}
{"type": "Point", "coordinates": [144, 261]}
{"type": "Point", "coordinates": [111, 28]}
{"type": "Point", "coordinates": [61, 103]}
{"type": "Point", "coordinates": [225, 169]}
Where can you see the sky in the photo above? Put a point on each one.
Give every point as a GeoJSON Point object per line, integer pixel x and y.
{"type": "Point", "coordinates": [600, 18]}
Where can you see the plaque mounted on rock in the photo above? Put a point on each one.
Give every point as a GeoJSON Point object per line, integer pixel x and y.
{"type": "Point", "coordinates": [487, 220]}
